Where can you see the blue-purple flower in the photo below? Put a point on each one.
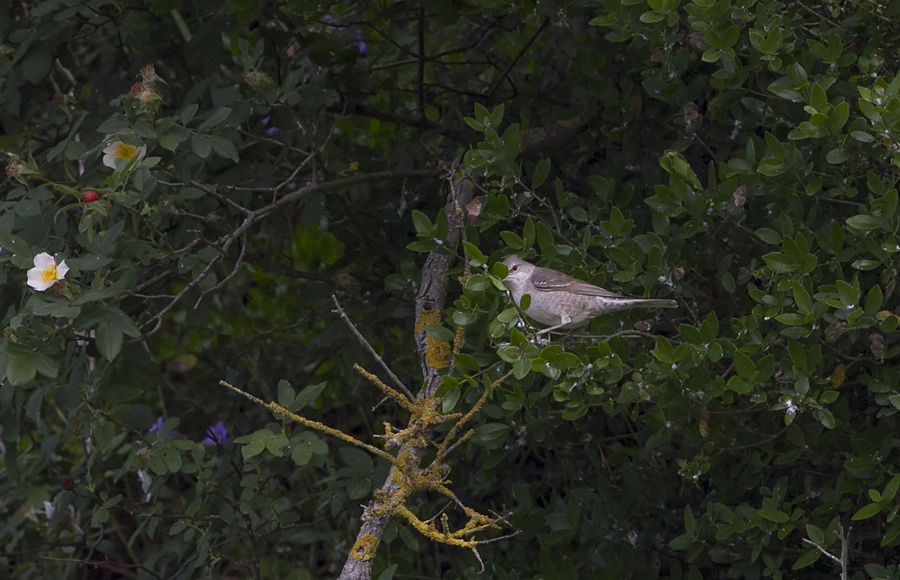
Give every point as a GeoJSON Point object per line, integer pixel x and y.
{"type": "Point", "coordinates": [157, 425]}
{"type": "Point", "coordinates": [217, 434]}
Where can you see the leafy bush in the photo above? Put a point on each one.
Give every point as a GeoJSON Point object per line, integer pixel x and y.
{"type": "Point", "coordinates": [189, 185]}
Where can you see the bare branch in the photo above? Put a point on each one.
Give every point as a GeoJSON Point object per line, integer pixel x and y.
{"type": "Point", "coordinates": [823, 550]}
{"type": "Point", "coordinates": [225, 242]}
{"type": "Point", "coordinates": [843, 561]}
{"type": "Point", "coordinates": [515, 61]}
{"type": "Point", "coordinates": [362, 340]}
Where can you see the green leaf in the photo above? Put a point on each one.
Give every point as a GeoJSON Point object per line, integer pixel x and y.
{"type": "Point", "coordinates": [111, 328]}
{"type": "Point", "coordinates": [307, 396]}
{"type": "Point", "coordinates": [285, 394]}
{"type": "Point", "coordinates": [253, 448]}
{"type": "Point", "coordinates": [744, 365]}
{"type": "Point", "coordinates": [690, 334]}
{"type": "Point", "coordinates": [740, 385]}
{"type": "Point", "coordinates": [216, 118]}
{"type": "Point", "coordinates": [652, 17]}
{"type": "Point", "coordinates": [867, 512]}
{"type": "Point", "coordinates": [874, 299]}
{"type": "Point", "coordinates": [388, 573]}
{"type": "Point", "coordinates": [201, 145]}
{"type": "Point", "coordinates": [818, 99]}
{"type": "Point", "coordinates": [496, 116]}
{"type": "Point", "coordinates": [44, 365]}
{"type": "Point", "coordinates": [21, 370]}
{"type": "Point", "coordinates": [798, 355]}
{"type": "Point", "coordinates": [301, 454]}
{"type": "Point", "coordinates": [773, 515]}
{"type": "Point", "coordinates": [490, 431]}
{"type": "Point", "coordinates": [682, 542]}
{"type": "Point", "coordinates": [815, 534]}
{"type": "Point", "coordinates": [690, 523]}
{"type": "Point", "coordinates": [864, 222]}
{"type": "Point", "coordinates": [224, 148]}
{"type": "Point", "coordinates": [541, 171]}
{"type": "Point", "coordinates": [837, 156]}
{"type": "Point", "coordinates": [187, 113]}
{"type": "Point", "coordinates": [769, 236]}
{"type": "Point", "coordinates": [778, 263]}
{"type": "Point", "coordinates": [863, 264]}
{"type": "Point", "coordinates": [791, 319]}
{"type": "Point", "coordinates": [807, 558]}
{"type": "Point", "coordinates": [709, 328]}
{"type": "Point", "coordinates": [521, 368]}
{"type": "Point", "coordinates": [439, 332]}
{"type": "Point", "coordinates": [802, 299]}
{"type": "Point", "coordinates": [838, 116]}
{"type": "Point", "coordinates": [890, 490]}
{"type": "Point", "coordinates": [890, 536]}
{"type": "Point", "coordinates": [422, 223]}
{"type": "Point", "coordinates": [359, 463]}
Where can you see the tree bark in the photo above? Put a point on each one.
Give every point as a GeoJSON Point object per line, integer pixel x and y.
{"type": "Point", "coordinates": [431, 296]}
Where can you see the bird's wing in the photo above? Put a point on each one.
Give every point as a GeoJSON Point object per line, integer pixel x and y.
{"type": "Point", "coordinates": [547, 280]}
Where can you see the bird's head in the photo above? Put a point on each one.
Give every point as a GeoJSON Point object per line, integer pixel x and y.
{"type": "Point", "coordinates": [519, 272]}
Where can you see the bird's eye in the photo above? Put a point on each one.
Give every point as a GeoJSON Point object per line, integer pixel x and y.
{"type": "Point", "coordinates": [514, 268]}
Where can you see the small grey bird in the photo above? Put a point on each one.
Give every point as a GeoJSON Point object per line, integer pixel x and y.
{"type": "Point", "coordinates": [561, 301]}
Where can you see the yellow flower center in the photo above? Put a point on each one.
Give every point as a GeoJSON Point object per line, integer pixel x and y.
{"type": "Point", "coordinates": [124, 151]}
{"type": "Point", "coordinates": [50, 274]}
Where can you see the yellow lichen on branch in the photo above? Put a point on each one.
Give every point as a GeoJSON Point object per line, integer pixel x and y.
{"type": "Point", "coordinates": [365, 547]}
{"type": "Point", "coordinates": [437, 351]}
{"type": "Point", "coordinates": [392, 393]}
{"type": "Point", "coordinates": [408, 476]}
{"type": "Point", "coordinates": [445, 445]}
{"type": "Point", "coordinates": [279, 410]}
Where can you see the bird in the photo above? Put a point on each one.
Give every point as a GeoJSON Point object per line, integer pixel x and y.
{"type": "Point", "coordinates": [561, 301]}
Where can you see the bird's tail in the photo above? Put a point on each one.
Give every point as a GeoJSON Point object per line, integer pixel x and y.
{"type": "Point", "coordinates": [627, 303]}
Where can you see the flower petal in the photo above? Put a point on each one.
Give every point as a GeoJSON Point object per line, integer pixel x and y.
{"type": "Point", "coordinates": [44, 261]}
{"type": "Point", "coordinates": [36, 280]}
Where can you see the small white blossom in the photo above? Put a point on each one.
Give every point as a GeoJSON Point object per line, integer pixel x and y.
{"type": "Point", "coordinates": [146, 480]}
{"type": "Point", "coordinates": [119, 150]}
{"type": "Point", "coordinates": [46, 272]}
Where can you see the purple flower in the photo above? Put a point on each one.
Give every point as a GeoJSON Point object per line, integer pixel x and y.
{"type": "Point", "coordinates": [360, 44]}
{"type": "Point", "coordinates": [157, 425]}
{"type": "Point", "coordinates": [271, 130]}
{"type": "Point", "coordinates": [217, 434]}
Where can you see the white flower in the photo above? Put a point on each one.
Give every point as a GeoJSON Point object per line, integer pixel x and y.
{"type": "Point", "coordinates": [146, 480]}
{"type": "Point", "coordinates": [49, 509]}
{"type": "Point", "coordinates": [46, 272]}
{"type": "Point", "coordinates": [119, 150]}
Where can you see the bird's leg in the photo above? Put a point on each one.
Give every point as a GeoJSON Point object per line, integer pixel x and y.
{"type": "Point", "coordinates": [564, 321]}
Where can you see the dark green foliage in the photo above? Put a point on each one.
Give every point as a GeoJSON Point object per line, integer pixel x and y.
{"type": "Point", "coordinates": [741, 158]}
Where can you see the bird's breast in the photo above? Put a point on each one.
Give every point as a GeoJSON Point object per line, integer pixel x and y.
{"type": "Point", "coordinates": [552, 308]}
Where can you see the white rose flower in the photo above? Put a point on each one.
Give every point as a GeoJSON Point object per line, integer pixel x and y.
{"type": "Point", "coordinates": [46, 272]}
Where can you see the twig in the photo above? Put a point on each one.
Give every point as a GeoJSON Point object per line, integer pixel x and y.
{"type": "Point", "coordinates": [279, 410]}
{"type": "Point", "coordinates": [843, 561]}
{"type": "Point", "coordinates": [253, 217]}
{"type": "Point", "coordinates": [823, 550]}
{"type": "Point", "coordinates": [817, 15]}
{"type": "Point", "coordinates": [515, 61]}
{"type": "Point", "coordinates": [234, 271]}
{"type": "Point", "coordinates": [421, 63]}
{"type": "Point", "coordinates": [362, 340]}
